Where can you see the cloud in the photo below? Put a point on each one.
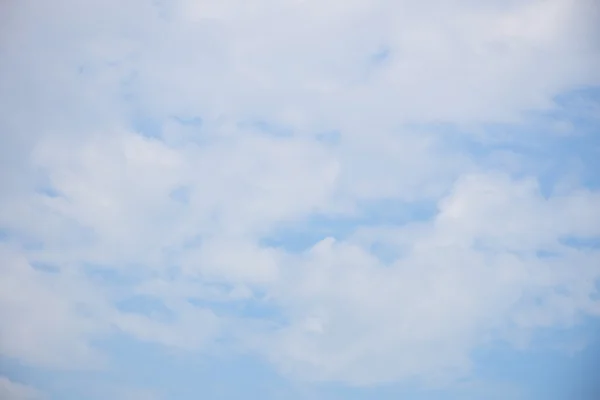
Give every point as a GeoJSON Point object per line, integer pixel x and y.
{"type": "Point", "coordinates": [152, 149]}
{"type": "Point", "coordinates": [473, 271]}
{"type": "Point", "coordinates": [41, 322]}
{"type": "Point", "coordinates": [11, 390]}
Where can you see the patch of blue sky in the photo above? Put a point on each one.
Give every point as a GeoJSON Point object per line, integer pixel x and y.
{"type": "Point", "coordinates": [153, 126]}
{"type": "Point", "coordinates": [375, 61]}
{"type": "Point", "coordinates": [194, 121]}
{"type": "Point", "coordinates": [266, 127]}
{"type": "Point", "coordinates": [559, 364]}
{"type": "Point", "coordinates": [45, 267]}
{"type": "Point", "coordinates": [181, 194]}
{"type": "Point", "coordinates": [44, 185]}
{"type": "Point", "coordinates": [299, 236]}
{"type": "Point", "coordinates": [329, 138]}
{"type": "Point", "coordinates": [252, 308]}
{"type": "Point", "coordinates": [147, 125]}
{"type": "Point", "coordinates": [48, 191]}
{"type": "Point", "coordinates": [537, 146]}
{"type": "Point", "coordinates": [381, 56]}
{"type": "Point", "coordinates": [110, 275]}
{"type": "Point", "coordinates": [579, 106]}
{"type": "Point", "coordinates": [386, 253]}
{"type": "Point", "coordinates": [471, 390]}
{"type": "Point", "coordinates": [146, 305]}
{"type": "Point", "coordinates": [164, 9]}
{"type": "Point", "coordinates": [582, 243]}
{"type": "Point", "coordinates": [26, 242]}
{"type": "Point", "coordinates": [547, 254]}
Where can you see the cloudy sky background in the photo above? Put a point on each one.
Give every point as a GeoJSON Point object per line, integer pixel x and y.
{"type": "Point", "coordinates": [299, 199]}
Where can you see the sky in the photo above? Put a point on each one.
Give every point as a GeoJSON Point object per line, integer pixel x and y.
{"type": "Point", "coordinates": [299, 199]}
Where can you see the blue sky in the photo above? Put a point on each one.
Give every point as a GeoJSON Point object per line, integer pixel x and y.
{"type": "Point", "coordinates": [299, 200]}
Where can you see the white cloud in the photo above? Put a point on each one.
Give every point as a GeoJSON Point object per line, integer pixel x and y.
{"type": "Point", "coordinates": [10, 390]}
{"type": "Point", "coordinates": [75, 76]}
{"type": "Point", "coordinates": [41, 322]}
{"type": "Point", "coordinates": [50, 318]}
{"type": "Point", "coordinates": [471, 272]}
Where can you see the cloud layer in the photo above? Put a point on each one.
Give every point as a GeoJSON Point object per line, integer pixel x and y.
{"type": "Point", "coordinates": [359, 191]}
